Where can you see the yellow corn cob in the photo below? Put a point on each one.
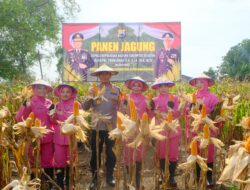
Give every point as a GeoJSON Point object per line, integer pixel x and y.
{"type": "Point", "coordinates": [193, 147]}
{"type": "Point", "coordinates": [193, 98]}
{"type": "Point", "coordinates": [76, 108]}
{"type": "Point", "coordinates": [149, 96]}
{"type": "Point", "coordinates": [119, 124]}
{"type": "Point", "coordinates": [248, 122]}
{"type": "Point", "coordinates": [171, 97]}
{"type": "Point", "coordinates": [145, 117]}
{"type": "Point", "coordinates": [222, 112]}
{"type": "Point", "coordinates": [29, 122]}
{"type": "Point", "coordinates": [247, 144]}
{"type": "Point", "coordinates": [95, 89]}
{"type": "Point", "coordinates": [132, 109]}
{"type": "Point", "coordinates": [203, 111]}
{"type": "Point", "coordinates": [54, 100]}
{"type": "Point", "coordinates": [206, 132]}
{"type": "Point", "coordinates": [170, 116]}
{"type": "Point", "coordinates": [32, 116]}
{"type": "Point", "coordinates": [37, 123]}
{"type": "Point", "coordinates": [30, 119]}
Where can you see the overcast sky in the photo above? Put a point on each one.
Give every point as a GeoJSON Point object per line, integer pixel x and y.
{"type": "Point", "coordinates": [209, 27]}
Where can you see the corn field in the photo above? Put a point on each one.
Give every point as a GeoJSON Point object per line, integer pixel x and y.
{"type": "Point", "coordinates": [234, 127]}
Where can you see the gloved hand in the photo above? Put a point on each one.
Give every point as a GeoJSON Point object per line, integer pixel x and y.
{"type": "Point", "coordinates": [51, 107]}
{"type": "Point", "coordinates": [171, 104]}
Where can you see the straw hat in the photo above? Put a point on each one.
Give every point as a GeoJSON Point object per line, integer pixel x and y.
{"type": "Point", "coordinates": [44, 83]}
{"type": "Point", "coordinates": [104, 68]}
{"type": "Point", "coordinates": [194, 80]}
{"type": "Point", "coordinates": [129, 83]}
{"type": "Point", "coordinates": [57, 90]}
{"type": "Point", "coordinates": [162, 81]}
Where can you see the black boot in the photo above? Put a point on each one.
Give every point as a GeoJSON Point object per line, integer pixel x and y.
{"type": "Point", "coordinates": [50, 173]}
{"type": "Point", "coordinates": [210, 175]}
{"type": "Point", "coordinates": [198, 171]}
{"type": "Point", "coordinates": [138, 174]}
{"type": "Point", "coordinates": [172, 168]}
{"type": "Point", "coordinates": [60, 177]}
{"type": "Point", "coordinates": [67, 178]}
{"type": "Point", "coordinates": [110, 179]}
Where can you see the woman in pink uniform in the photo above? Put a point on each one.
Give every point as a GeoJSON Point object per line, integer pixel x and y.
{"type": "Point", "coordinates": [204, 96]}
{"type": "Point", "coordinates": [162, 104]}
{"type": "Point", "coordinates": [40, 105]}
{"type": "Point", "coordinates": [137, 86]}
{"type": "Point", "coordinates": [64, 109]}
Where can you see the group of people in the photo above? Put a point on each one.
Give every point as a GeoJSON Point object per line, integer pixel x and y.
{"type": "Point", "coordinates": [55, 146]}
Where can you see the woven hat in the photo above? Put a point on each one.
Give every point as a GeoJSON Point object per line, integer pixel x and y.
{"type": "Point", "coordinates": [194, 80]}
{"type": "Point", "coordinates": [129, 83]}
{"type": "Point", "coordinates": [104, 68]}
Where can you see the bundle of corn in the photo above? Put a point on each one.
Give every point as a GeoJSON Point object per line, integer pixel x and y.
{"type": "Point", "coordinates": [230, 102]}
{"type": "Point", "coordinates": [25, 94]}
{"type": "Point", "coordinates": [238, 166]}
{"type": "Point", "coordinates": [30, 132]}
{"type": "Point", "coordinates": [201, 119]}
{"type": "Point", "coordinates": [245, 124]}
{"type": "Point", "coordinates": [146, 130]}
{"type": "Point", "coordinates": [96, 94]}
{"type": "Point", "coordinates": [75, 126]}
{"type": "Point", "coordinates": [24, 183]}
{"type": "Point", "coordinates": [205, 139]}
{"type": "Point", "coordinates": [190, 166]}
{"type": "Point", "coordinates": [125, 129]}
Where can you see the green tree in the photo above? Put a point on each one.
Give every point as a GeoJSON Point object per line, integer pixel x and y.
{"type": "Point", "coordinates": [26, 25]}
{"type": "Point", "coordinates": [236, 63]}
{"type": "Point", "coordinates": [213, 73]}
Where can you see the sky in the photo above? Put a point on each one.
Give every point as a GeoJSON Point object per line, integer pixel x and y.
{"type": "Point", "coordinates": [209, 27]}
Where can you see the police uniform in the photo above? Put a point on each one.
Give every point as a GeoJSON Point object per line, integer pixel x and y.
{"type": "Point", "coordinates": [75, 57]}
{"type": "Point", "coordinates": [162, 65]}
{"type": "Point", "coordinates": [106, 107]}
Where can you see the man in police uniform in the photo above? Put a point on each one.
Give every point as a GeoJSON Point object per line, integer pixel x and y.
{"type": "Point", "coordinates": [79, 59]}
{"type": "Point", "coordinates": [109, 107]}
{"type": "Point", "coordinates": [167, 56]}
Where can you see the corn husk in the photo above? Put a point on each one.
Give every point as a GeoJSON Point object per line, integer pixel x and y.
{"type": "Point", "coordinates": [230, 102]}
{"type": "Point", "coordinates": [71, 129]}
{"type": "Point", "coordinates": [238, 161]}
{"type": "Point", "coordinates": [24, 184]}
{"type": "Point", "coordinates": [147, 129]}
{"type": "Point", "coordinates": [126, 128]}
{"type": "Point", "coordinates": [4, 112]}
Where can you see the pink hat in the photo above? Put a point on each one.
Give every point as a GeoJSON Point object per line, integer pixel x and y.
{"type": "Point", "coordinates": [44, 83]}
{"type": "Point", "coordinates": [57, 90]}
{"type": "Point", "coordinates": [194, 80]}
{"type": "Point", "coordinates": [129, 83]}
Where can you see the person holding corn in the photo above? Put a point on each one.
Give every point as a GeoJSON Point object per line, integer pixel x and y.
{"type": "Point", "coordinates": [40, 106]}
{"type": "Point", "coordinates": [137, 86]}
{"type": "Point", "coordinates": [204, 97]}
{"type": "Point", "coordinates": [67, 95]}
{"type": "Point", "coordinates": [107, 105]}
{"type": "Point", "coordinates": [162, 104]}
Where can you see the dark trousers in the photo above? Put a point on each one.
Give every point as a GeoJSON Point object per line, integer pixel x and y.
{"type": "Point", "coordinates": [110, 156]}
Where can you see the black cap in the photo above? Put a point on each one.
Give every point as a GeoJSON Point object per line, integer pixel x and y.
{"type": "Point", "coordinates": [167, 34]}
{"type": "Point", "coordinates": [77, 35]}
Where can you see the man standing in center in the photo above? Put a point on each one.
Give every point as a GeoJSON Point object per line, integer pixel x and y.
{"type": "Point", "coordinates": [107, 106]}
